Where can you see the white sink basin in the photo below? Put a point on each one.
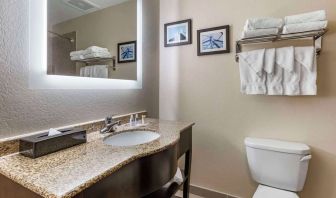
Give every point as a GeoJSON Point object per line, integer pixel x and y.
{"type": "Point", "coordinates": [131, 138]}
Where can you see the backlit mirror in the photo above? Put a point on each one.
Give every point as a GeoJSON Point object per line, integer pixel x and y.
{"type": "Point", "coordinates": [92, 38]}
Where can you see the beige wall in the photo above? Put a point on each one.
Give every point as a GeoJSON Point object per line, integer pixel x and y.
{"type": "Point", "coordinates": [106, 28]}
{"type": "Point", "coordinates": [206, 90]}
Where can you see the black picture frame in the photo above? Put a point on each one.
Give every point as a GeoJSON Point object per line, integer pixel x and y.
{"type": "Point", "coordinates": [226, 28]}
{"type": "Point", "coordinates": [189, 26]}
{"type": "Point", "coordinates": [135, 52]}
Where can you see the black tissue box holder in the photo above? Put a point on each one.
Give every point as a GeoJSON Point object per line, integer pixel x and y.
{"type": "Point", "coordinates": [39, 145]}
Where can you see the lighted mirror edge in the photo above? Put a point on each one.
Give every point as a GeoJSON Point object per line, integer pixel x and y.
{"type": "Point", "coordinates": [38, 78]}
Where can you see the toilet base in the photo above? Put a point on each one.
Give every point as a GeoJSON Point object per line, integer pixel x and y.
{"type": "Point", "coordinates": [269, 192]}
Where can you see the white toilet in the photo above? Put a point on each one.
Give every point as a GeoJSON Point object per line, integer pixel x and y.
{"type": "Point", "coordinates": [279, 167]}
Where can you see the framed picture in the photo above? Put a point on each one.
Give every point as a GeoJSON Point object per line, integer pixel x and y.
{"type": "Point", "coordinates": [213, 40]}
{"type": "Point", "coordinates": [177, 33]}
{"type": "Point", "coordinates": [127, 52]}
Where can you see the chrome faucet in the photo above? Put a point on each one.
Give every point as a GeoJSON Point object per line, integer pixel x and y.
{"type": "Point", "coordinates": [109, 125]}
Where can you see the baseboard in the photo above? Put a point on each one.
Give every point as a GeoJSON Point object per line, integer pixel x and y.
{"type": "Point", "coordinates": [206, 193]}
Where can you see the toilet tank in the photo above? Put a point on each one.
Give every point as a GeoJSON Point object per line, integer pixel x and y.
{"type": "Point", "coordinates": [278, 164]}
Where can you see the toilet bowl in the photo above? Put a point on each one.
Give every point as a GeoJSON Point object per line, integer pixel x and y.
{"type": "Point", "coordinates": [269, 192]}
{"type": "Point", "coordinates": [280, 167]}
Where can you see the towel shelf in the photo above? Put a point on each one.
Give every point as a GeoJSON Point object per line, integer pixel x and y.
{"type": "Point", "coordinates": [314, 35]}
{"type": "Point", "coordinates": [99, 60]}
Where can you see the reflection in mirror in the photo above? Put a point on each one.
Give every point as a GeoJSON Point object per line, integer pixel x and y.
{"type": "Point", "coordinates": [92, 38]}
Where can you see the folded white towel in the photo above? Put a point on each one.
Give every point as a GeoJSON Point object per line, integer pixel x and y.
{"type": "Point", "coordinates": [302, 27]}
{"type": "Point", "coordinates": [77, 57]}
{"type": "Point", "coordinates": [77, 53]}
{"type": "Point", "coordinates": [273, 74]}
{"type": "Point", "coordinates": [252, 78]}
{"type": "Point", "coordinates": [263, 23]}
{"type": "Point", "coordinates": [305, 59]}
{"type": "Point", "coordinates": [259, 32]}
{"type": "Point", "coordinates": [98, 55]}
{"type": "Point", "coordinates": [291, 74]}
{"type": "Point", "coordinates": [94, 49]}
{"type": "Point", "coordinates": [306, 17]}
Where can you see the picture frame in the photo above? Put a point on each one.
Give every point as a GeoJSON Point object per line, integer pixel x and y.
{"type": "Point", "coordinates": [127, 52]}
{"type": "Point", "coordinates": [178, 33]}
{"type": "Point", "coordinates": [214, 40]}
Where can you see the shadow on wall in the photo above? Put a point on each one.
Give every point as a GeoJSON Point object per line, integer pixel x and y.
{"type": "Point", "coordinates": [320, 168]}
{"type": "Point", "coordinates": [325, 74]}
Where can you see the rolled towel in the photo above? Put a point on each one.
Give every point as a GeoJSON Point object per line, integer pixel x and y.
{"type": "Point", "coordinates": [263, 23]}
{"type": "Point", "coordinates": [259, 32]}
{"type": "Point", "coordinates": [302, 27]}
{"type": "Point", "coordinates": [306, 17]}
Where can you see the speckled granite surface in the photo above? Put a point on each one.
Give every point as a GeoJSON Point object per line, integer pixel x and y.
{"type": "Point", "coordinates": [58, 175]}
{"type": "Point", "coordinates": [11, 145]}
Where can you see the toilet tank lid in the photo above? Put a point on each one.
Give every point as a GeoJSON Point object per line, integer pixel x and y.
{"type": "Point", "coordinates": [277, 145]}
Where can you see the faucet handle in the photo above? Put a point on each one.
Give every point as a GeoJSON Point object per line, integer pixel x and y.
{"type": "Point", "coordinates": [108, 119]}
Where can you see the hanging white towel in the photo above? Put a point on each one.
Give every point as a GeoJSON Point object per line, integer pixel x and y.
{"type": "Point", "coordinates": [82, 72]}
{"type": "Point", "coordinates": [302, 27]}
{"type": "Point", "coordinates": [263, 23]}
{"type": "Point", "coordinates": [259, 32]}
{"type": "Point", "coordinates": [274, 74]}
{"type": "Point", "coordinates": [291, 74]}
{"type": "Point", "coordinates": [94, 71]}
{"type": "Point", "coordinates": [100, 71]}
{"type": "Point", "coordinates": [305, 59]}
{"type": "Point", "coordinates": [306, 17]}
{"type": "Point", "coordinates": [251, 66]}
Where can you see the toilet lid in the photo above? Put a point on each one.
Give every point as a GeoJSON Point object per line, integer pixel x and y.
{"type": "Point", "coordinates": [268, 192]}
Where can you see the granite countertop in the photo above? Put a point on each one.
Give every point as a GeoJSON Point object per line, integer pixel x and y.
{"type": "Point", "coordinates": [68, 172]}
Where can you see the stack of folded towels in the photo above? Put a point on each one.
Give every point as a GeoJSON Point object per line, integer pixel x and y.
{"type": "Point", "coordinates": [90, 52]}
{"type": "Point", "coordinates": [262, 26]}
{"type": "Point", "coordinates": [266, 26]}
{"type": "Point", "coordinates": [305, 22]}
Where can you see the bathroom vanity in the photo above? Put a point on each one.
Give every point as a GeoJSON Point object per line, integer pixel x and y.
{"type": "Point", "coordinates": [96, 169]}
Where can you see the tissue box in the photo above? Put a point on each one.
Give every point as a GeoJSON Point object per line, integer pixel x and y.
{"type": "Point", "coordinates": [38, 145]}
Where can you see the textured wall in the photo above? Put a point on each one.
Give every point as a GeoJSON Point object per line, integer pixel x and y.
{"type": "Point", "coordinates": [23, 110]}
{"type": "Point", "coordinates": [206, 90]}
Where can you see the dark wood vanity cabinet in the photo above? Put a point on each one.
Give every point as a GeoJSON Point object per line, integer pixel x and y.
{"type": "Point", "coordinates": [141, 178]}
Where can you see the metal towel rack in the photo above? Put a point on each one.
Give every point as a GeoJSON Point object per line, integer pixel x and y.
{"type": "Point", "coordinates": [281, 37]}
{"type": "Point", "coordinates": [99, 60]}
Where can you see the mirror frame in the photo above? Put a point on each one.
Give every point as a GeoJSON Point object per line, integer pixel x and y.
{"type": "Point", "coordinates": [38, 78]}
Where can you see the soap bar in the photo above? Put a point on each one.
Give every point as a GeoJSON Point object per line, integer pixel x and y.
{"type": "Point", "coordinates": [39, 145]}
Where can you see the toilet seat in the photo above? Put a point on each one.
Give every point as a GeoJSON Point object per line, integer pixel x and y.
{"type": "Point", "coordinates": [269, 192]}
